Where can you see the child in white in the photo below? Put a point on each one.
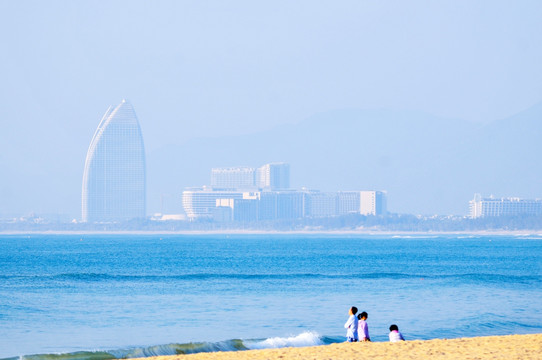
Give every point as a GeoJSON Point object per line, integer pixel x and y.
{"type": "Point", "coordinates": [351, 325]}
{"type": "Point", "coordinates": [395, 335]}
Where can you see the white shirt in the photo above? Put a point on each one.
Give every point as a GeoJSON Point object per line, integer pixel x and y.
{"type": "Point", "coordinates": [352, 327]}
{"type": "Point", "coordinates": [396, 336]}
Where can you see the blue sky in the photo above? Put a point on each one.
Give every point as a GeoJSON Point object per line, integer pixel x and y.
{"type": "Point", "coordinates": [213, 68]}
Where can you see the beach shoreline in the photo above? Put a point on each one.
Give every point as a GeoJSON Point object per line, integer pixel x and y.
{"type": "Point", "coordinates": [490, 347]}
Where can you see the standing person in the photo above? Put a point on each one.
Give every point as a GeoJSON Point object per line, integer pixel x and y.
{"type": "Point", "coordinates": [351, 325]}
{"type": "Point", "coordinates": [363, 328]}
{"type": "Point", "coordinates": [395, 335]}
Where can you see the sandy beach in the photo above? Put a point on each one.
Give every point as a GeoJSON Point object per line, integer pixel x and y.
{"type": "Point", "coordinates": [492, 347]}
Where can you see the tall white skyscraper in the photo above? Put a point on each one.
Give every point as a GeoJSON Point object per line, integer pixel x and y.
{"type": "Point", "coordinates": [114, 183]}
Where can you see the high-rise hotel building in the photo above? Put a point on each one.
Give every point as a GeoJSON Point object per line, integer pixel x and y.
{"type": "Point", "coordinates": [114, 183]}
{"type": "Point", "coordinates": [240, 177]}
{"type": "Point", "coordinates": [273, 176]}
{"type": "Point", "coordinates": [373, 203]}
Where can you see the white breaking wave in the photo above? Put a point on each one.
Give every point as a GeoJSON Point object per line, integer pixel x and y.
{"type": "Point", "coordinates": [308, 338]}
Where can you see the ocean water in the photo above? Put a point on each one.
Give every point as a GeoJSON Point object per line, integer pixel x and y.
{"type": "Point", "coordinates": [112, 296]}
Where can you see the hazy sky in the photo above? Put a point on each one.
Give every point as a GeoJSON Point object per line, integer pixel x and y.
{"type": "Point", "coordinates": [210, 68]}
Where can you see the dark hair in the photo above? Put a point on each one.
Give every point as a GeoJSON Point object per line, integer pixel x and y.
{"type": "Point", "coordinates": [394, 327]}
{"type": "Point", "coordinates": [362, 315]}
{"type": "Point", "coordinates": [354, 310]}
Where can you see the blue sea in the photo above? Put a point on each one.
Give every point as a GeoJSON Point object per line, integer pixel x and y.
{"type": "Point", "coordinates": [114, 296]}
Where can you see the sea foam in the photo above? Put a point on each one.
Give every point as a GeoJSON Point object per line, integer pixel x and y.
{"type": "Point", "coordinates": [307, 338]}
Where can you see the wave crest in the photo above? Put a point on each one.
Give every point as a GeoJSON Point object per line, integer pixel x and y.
{"type": "Point", "coordinates": [304, 339]}
{"type": "Point", "coordinates": [308, 338]}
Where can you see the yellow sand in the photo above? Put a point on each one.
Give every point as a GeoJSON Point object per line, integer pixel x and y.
{"type": "Point", "coordinates": [493, 347]}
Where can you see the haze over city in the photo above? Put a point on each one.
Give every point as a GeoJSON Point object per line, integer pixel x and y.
{"type": "Point", "coordinates": [239, 179]}
{"type": "Point", "coordinates": [429, 101]}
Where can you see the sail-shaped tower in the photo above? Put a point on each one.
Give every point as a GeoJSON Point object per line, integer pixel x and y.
{"type": "Point", "coordinates": [114, 179]}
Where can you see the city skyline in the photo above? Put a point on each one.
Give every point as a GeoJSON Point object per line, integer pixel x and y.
{"type": "Point", "coordinates": [250, 194]}
{"type": "Point", "coordinates": [444, 98]}
{"type": "Point", "coordinates": [255, 173]}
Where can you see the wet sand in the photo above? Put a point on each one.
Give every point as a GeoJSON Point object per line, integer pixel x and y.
{"type": "Point", "coordinates": [492, 347]}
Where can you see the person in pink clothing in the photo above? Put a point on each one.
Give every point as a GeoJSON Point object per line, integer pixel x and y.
{"type": "Point", "coordinates": [363, 328]}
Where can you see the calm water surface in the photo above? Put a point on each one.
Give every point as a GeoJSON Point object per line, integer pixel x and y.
{"type": "Point", "coordinates": [68, 293]}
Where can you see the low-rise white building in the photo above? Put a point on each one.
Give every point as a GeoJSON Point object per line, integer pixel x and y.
{"type": "Point", "coordinates": [512, 206]}
{"type": "Point", "coordinates": [201, 202]}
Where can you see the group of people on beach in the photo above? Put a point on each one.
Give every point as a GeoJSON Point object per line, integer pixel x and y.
{"type": "Point", "coordinates": [358, 330]}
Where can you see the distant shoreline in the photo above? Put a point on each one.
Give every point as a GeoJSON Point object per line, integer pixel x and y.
{"type": "Point", "coordinates": [273, 232]}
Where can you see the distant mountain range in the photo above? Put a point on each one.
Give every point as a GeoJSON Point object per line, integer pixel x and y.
{"type": "Point", "coordinates": [428, 165]}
